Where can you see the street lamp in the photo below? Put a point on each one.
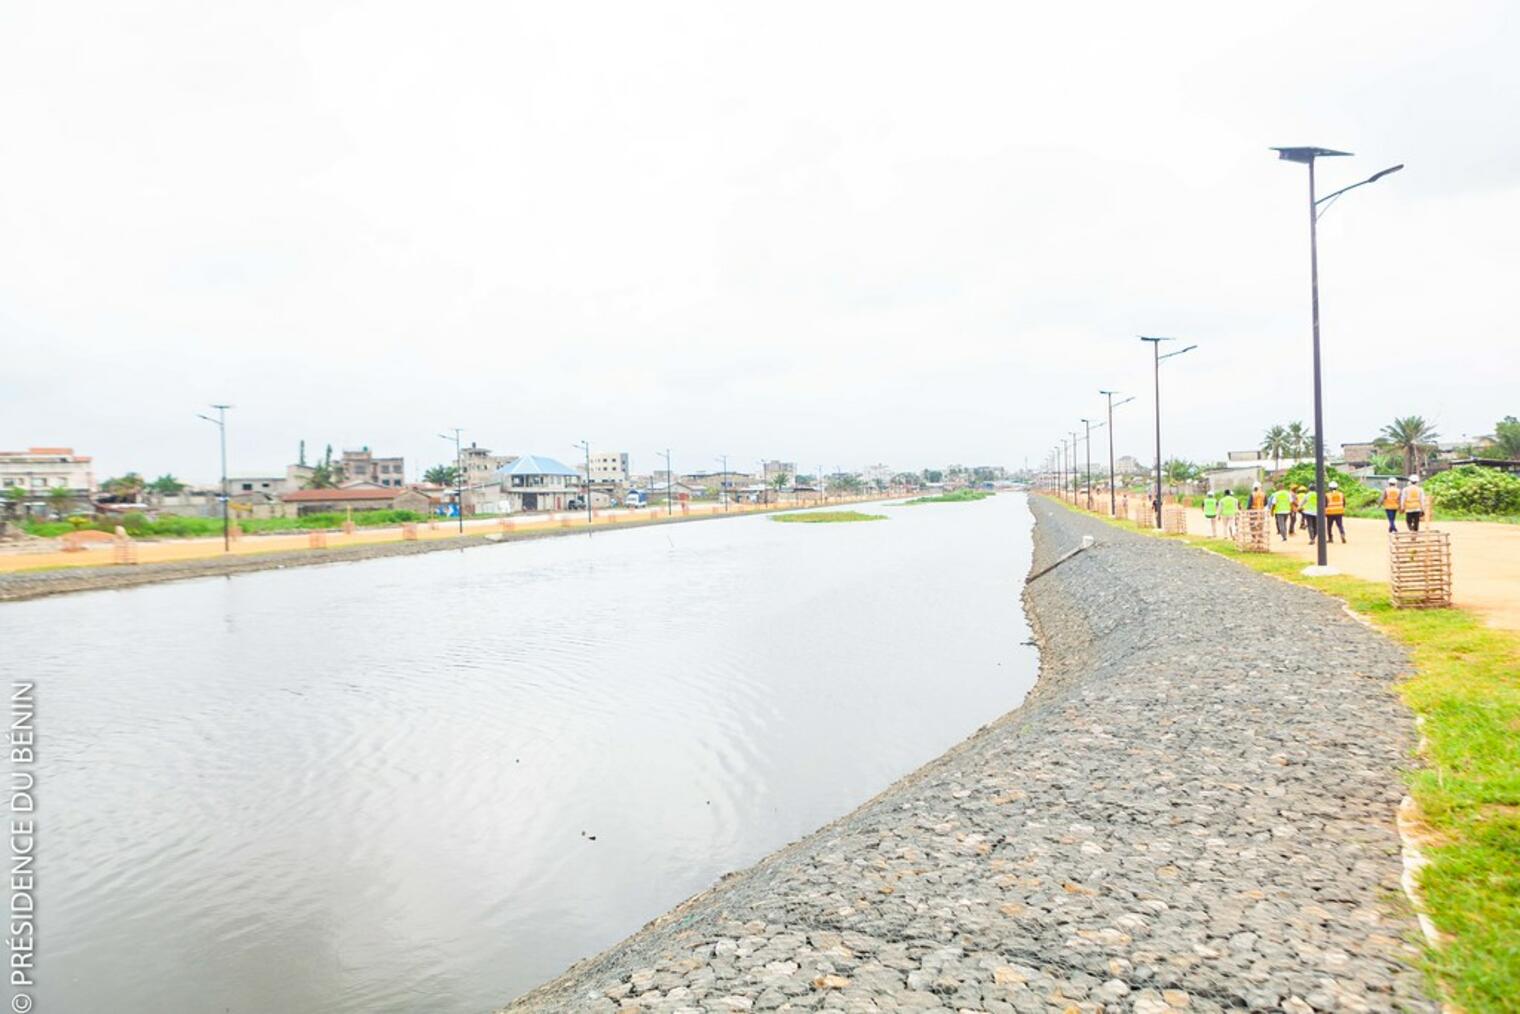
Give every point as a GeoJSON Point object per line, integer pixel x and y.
{"type": "Point", "coordinates": [1113, 497]}
{"type": "Point", "coordinates": [723, 488]}
{"type": "Point", "coordinates": [1307, 156]}
{"type": "Point", "coordinates": [1157, 357]}
{"type": "Point", "coordinates": [669, 483]}
{"type": "Point", "coordinates": [458, 475]}
{"type": "Point", "coordinates": [220, 422]}
{"type": "Point", "coordinates": [1088, 445]}
{"type": "Point", "coordinates": [586, 446]}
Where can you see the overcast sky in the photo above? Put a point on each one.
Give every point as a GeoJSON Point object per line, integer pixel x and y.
{"type": "Point", "coordinates": [833, 232]}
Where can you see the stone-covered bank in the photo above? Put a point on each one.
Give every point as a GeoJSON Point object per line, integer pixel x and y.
{"type": "Point", "coordinates": [1193, 811]}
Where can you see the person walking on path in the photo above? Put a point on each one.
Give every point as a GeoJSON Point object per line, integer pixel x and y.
{"type": "Point", "coordinates": [1294, 508]}
{"type": "Point", "coordinates": [1391, 503]}
{"type": "Point", "coordinates": [1282, 511]}
{"type": "Point", "coordinates": [1229, 506]}
{"type": "Point", "coordinates": [1211, 511]}
{"type": "Point", "coordinates": [1308, 506]}
{"type": "Point", "coordinates": [1413, 503]}
{"type": "Point", "coordinates": [1335, 512]}
{"type": "Point", "coordinates": [1258, 498]}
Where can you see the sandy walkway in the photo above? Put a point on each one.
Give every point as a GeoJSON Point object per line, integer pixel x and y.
{"type": "Point", "coordinates": [1485, 560]}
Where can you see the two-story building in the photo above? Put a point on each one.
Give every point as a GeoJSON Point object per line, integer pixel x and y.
{"type": "Point", "coordinates": [530, 483]}
{"type": "Point", "coordinates": [39, 470]}
{"type": "Point", "coordinates": [362, 466]}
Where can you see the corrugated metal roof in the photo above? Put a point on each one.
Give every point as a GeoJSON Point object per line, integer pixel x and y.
{"type": "Point", "coordinates": [534, 464]}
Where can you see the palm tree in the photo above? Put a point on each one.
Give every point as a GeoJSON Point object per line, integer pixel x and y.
{"type": "Point", "coordinates": [441, 475]}
{"type": "Point", "coordinates": [1300, 440]}
{"type": "Point", "coordinates": [128, 488]}
{"type": "Point", "coordinates": [61, 499]}
{"type": "Point", "coordinates": [1275, 443]}
{"type": "Point", "coordinates": [1411, 436]}
{"type": "Point", "coordinates": [166, 484]}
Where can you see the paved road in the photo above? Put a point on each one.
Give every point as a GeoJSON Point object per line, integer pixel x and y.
{"type": "Point", "coordinates": [1193, 811]}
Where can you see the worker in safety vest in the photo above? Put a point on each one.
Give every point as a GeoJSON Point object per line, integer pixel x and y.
{"type": "Point", "coordinates": [1258, 498]}
{"type": "Point", "coordinates": [1413, 503]}
{"type": "Point", "coordinates": [1211, 511]}
{"type": "Point", "coordinates": [1391, 502]}
{"type": "Point", "coordinates": [1295, 508]}
{"type": "Point", "coordinates": [1308, 505]}
{"type": "Point", "coordinates": [1228, 508]}
{"type": "Point", "coordinates": [1282, 510]}
{"type": "Point", "coordinates": [1335, 512]}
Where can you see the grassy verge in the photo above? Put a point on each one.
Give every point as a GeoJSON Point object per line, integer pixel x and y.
{"type": "Point", "coordinates": [827, 517]}
{"type": "Point", "coordinates": [1466, 689]}
{"type": "Point", "coordinates": [170, 526]}
{"type": "Point", "coordinates": [959, 496]}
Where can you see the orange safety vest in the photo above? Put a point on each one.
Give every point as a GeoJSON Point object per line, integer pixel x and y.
{"type": "Point", "coordinates": [1412, 500]}
{"type": "Point", "coordinates": [1335, 502]}
{"type": "Point", "coordinates": [1391, 498]}
{"type": "Point", "coordinates": [1258, 500]}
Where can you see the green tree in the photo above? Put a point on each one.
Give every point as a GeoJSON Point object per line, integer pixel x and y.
{"type": "Point", "coordinates": [61, 500]}
{"type": "Point", "coordinates": [325, 474]}
{"type": "Point", "coordinates": [1507, 437]}
{"type": "Point", "coordinates": [127, 488]}
{"type": "Point", "coordinates": [167, 484]}
{"type": "Point", "coordinates": [1300, 440]}
{"type": "Point", "coordinates": [933, 475]}
{"type": "Point", "coordinates": [1274, 444]}
{"type": "Point", "coordinates": [441, 475]}
{"type": "Point", "coordinates": [1411, 436]}
{"type": "Point", "coordinates": [1178, 473]}
{"type": "Point", "coordinates": [779, 480]}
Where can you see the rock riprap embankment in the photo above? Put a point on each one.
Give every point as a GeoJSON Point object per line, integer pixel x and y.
{"type": "Point", "coordinates": [1193, 811]}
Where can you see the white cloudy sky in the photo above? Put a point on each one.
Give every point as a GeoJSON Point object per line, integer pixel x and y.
{"type": "Point", "coordinates": [834, 232]}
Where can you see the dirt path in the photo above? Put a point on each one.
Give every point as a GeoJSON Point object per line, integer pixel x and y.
{"type": "Point", "coordinates": [1485, 560]}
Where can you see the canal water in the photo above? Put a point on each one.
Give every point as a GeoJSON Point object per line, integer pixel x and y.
{"type": "Point", "coordinates": [430, 783]}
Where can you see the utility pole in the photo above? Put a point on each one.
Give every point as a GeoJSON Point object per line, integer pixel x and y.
{"type": "Point", "coordinates": [1113, 496]}
{"type": "Point", "coordinates": [669, 485]}
{"type": "Point", "coordinates": [1156, 368]}
{"type": "Point", "coordinates": [723, 489]}
{"type": "Point", "coordinates": [221, 424]}
{"type": "Point", "coordinates": [1087, 445]}
{"type": "Point", "coordinates": [458, 474]}
{"type": "Point", "coordinates": [586, 446]}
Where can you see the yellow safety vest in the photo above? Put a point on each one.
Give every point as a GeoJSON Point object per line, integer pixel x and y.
{"type": "Point", "coordinates": [1335, 502]}
{"type": "Point", "coordinates": [1391, 499]}
{"type": "Point", "coordinates": [1412, 500]}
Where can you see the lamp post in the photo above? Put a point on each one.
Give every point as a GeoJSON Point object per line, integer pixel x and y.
{"type": "Point", "coordinates": [458, 475]}
{"type": "Point", "coordinates": [586, 446]}
{"type": "Point", "coordinates": [1087, 446]}
{"type": "Point", "coordinates": [1306, 156]}
{"type": "Point", "coordinates": [723, 488]}
{"type": "Point", "coordinates": [1073, 468]}
{"type": "Point", "coordinates": [1113, 497]}
{"type": "Point", "coordinates": [1156, 360]}
{"type": "Point", "coordinates": [669, 484]}
{"type": "Point", "coordinates": [221, 424]}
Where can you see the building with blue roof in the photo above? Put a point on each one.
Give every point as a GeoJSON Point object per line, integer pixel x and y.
{"type": "Point", "coordinates": [537, 483]}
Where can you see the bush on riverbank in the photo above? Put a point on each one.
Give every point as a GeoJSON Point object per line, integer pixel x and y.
{"type": "Point", "coordinates": [958, 496]}
{"type": "Point", "coordinates": [828, 517]}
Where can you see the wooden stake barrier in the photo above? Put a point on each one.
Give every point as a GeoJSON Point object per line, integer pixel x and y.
{"type": "Point", "coordinates": [409, 531]}
{"type": "Point", "coordinates": [1253, 531]}
{"type": "Point", "coordinates": [316, 540]}
{"type": "Point", "coordinates": [1419, 569]}
{"type": "Point", "coordinates": [348, 527]}
{"type": "Point", "coordinates": [123, 549]}
{"type": "Point", "coordinates": [1174, 519]}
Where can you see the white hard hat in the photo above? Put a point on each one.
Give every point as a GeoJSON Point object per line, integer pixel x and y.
{"type": "Point", "coordinates": [1392, 481]}
{"type": "Point", "coordinates": [1335, 485]}
{"type": "Point", "coordinates": [1414, 478]}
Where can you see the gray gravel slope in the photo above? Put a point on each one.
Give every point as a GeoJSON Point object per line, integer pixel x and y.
{"type": "Point", "coordinates": [1193, 811]}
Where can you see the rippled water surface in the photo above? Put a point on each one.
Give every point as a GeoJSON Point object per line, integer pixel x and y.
{"type": "Point", "coordinates": [430, 783]}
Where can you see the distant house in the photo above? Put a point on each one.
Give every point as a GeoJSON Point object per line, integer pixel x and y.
{"type": "Point", "coordinates": [358, 497]}
{"type": "Point", "coordinates": [39, 470]}
{"type": "Point", "coordinates": [534, 483]}
{"type": "Point", "coordinates": [363, 466]}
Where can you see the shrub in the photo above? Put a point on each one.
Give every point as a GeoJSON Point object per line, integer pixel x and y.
{"type": "Point", "coordinates": [1357, 494]}
{"type": "Point", "coordinates": [1472, 489]}
{"type": "Point", "coordinates": [135, 522]}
